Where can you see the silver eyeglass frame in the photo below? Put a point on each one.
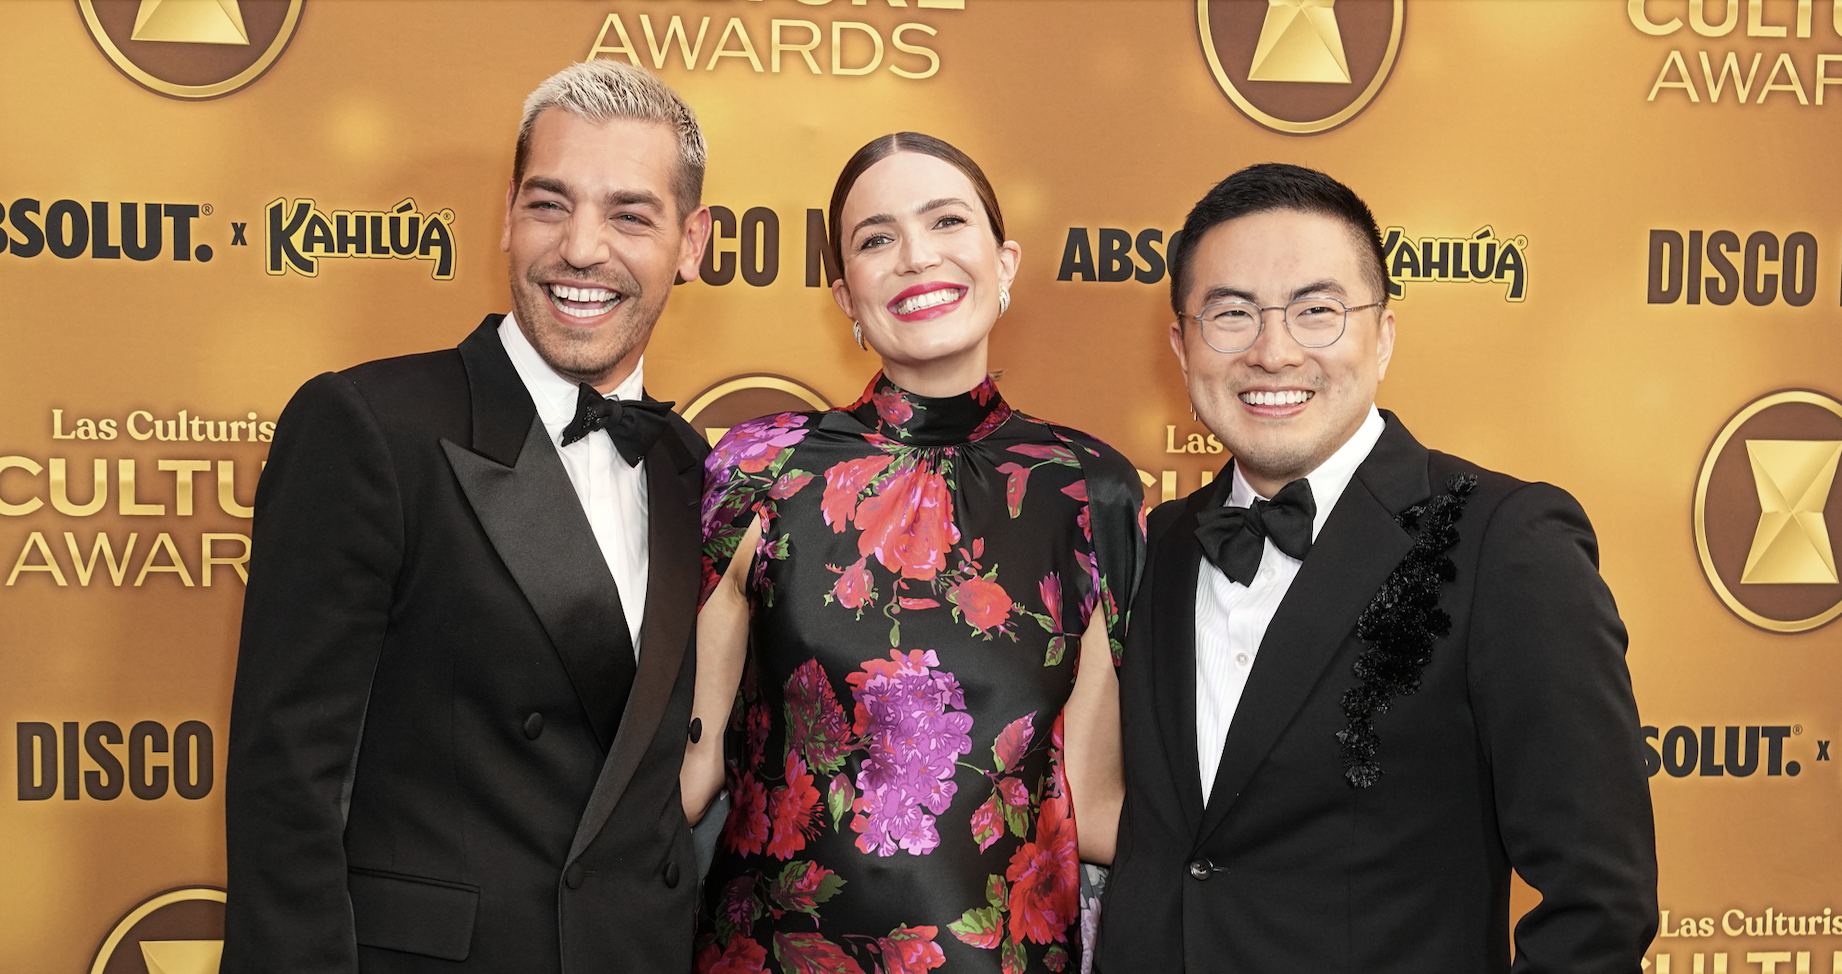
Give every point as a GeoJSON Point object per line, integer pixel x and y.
{"type": "Point", "coordinates": [1284, 316]}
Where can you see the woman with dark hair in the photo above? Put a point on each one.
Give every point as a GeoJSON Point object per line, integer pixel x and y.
{"type": "Point", "coordinates": [920, 598]}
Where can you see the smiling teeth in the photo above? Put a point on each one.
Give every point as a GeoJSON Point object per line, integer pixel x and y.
{"type": "Point", "coordinates": [931, 299]}
{"type": "Point", "coordinates": [603, 298]}
{"type": "Point", "coordinates": [1289, 397]}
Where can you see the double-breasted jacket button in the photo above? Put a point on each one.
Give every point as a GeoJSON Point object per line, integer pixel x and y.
{"type": "Point", "coordinates": [533, 725]}
{"type": "Point", "coordinates": [671, 875]}
{"type": "Point", "coordinates": [1201, 869]}
{"type": "Point", "coordinates": [574, 875]}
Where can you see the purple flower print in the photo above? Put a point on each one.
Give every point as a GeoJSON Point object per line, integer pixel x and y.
{"type": "Point", "coordinates": [914, 741]}
{"type": "Point", "coordinates": [753, 445]}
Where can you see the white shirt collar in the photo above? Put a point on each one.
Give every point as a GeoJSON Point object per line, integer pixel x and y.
{"type": "Point", "coordinates": [554, 395]}
{"type": "Point", "coordinates": [1331, 476]}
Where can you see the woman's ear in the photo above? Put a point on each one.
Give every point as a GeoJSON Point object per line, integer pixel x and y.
{"type": "Point", "coordinates": [1010, 253]}
{"type": "Point", "coordinates": [841, 293]}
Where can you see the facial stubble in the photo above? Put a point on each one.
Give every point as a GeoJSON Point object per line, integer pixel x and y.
{"type": "Point", "coordinates": [585, 356]}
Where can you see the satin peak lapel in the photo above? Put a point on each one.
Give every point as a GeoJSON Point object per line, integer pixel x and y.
{"type": "Point", "coordinates": [1357, 548]}
{"type": "Point", "coordinates": [531, 514]}
{"type": "Point", "coordinates": [674, 484]}
{"type": "Point", "coordinates": [1178, 564]}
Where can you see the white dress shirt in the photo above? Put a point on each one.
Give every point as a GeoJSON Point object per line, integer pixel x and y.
{"type": "Point", "coordinates": [613, 495]}
{"type": "Point", "coordinates": [1231, 618]}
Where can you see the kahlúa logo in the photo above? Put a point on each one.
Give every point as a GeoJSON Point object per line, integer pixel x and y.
{"type": "Point", "coordinates": [1762, 506]}
{"type": "Point", "coordinates": [191, 48]}
{"type": "Point", "coordinates": [180, 931]}
{"type": "Point", "coordinates": [300, 236]}
{"type": "Point", "coordinates": [1301, 66]}
{"type": "Point", "coordinates": [1481, 258]}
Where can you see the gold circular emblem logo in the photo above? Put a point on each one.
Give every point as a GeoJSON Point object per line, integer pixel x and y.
{"type": "Point", "coordinates": [180, 931]}
{"type": "Point", "coordinates": [1301, 66]}
{"type": "Point", "coordinates": [713, 411]}
{"type": "Point", "coordinates": [1761, 508]}
{"type": "Point", "coordinates": [192, 48]}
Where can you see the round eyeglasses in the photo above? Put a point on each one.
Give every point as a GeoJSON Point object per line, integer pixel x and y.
{"type": "Point", "coordinates": [1234, 326]}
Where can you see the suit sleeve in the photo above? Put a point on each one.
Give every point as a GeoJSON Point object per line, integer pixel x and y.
{"type": "Point", "coordinates": [1559, 727]}
{"type": "Point", "coordinates": [327, 546]}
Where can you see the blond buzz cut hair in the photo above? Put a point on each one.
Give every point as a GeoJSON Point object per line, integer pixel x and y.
{"type": "Point", "coordinates": [601, 91]}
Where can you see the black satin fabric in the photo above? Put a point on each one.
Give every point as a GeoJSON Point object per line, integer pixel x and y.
{"type": "Point", "coordinates": [926, 569]}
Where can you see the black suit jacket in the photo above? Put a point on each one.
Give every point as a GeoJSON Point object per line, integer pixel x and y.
{"type": "Point", "coordinates": [433, 750]}
{"type": "Point", "coordinates": [1520, 749]}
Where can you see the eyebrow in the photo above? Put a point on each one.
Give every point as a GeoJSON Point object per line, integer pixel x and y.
{"type": "Point", "coordinates": [1225, 292]}
{"type": "Point", "coordinates": [927, 207]}
{"type": "Point", "coordinates": [619, 197]}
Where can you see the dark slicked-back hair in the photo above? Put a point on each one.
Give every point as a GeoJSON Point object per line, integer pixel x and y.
{"type": "Point", "coordinates": [1276, 186]}
{"type": "Point", "coordinates": [882, 147]}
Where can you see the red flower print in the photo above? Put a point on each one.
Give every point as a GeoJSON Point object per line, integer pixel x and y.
{"type": "Point", "coordinates": [843, 482]}
{"type": "Point", "coordinates": [743, 956]}
{"type": "Point", "coordinates": [758, 721]}
{"type": "Point", "coordinates": [893, 407]}
{"type": "Point", "coordinates": [790, 483]}
{"type": "Point", "coordinates": [1014, 792]}
{"type": "Point", "coordinates": [794, 810]}
{"type": "Point", "coordinates": [854, 586]}
{"type": "Point", "coordinates": [908, 603]}
{"type": "Point", "coordinates": [1013, 742]}
{"type": "Point", "coordinates": [984, 602]}
{"type": "Point", "coordinates": [909, 526]}
{"type": "Point", "coordinates": [987, 823]}
{"type": "Point", "coordinates": [816, 724]}
{"type": "Point", "coordinates": [801, 887]}
{"type": "Point", "coordinates": [1050, 588]}
{"type": "Point", "coordinates": [999, 415]}
{"type": "Point", "coordinates": [911, 950]}
{"type": "Point", "coordinates": [746, 829]}
{"type": "Point", "coordinates": [811, 953]}
{"type": "Point", "coordinates": [1016, 482]}
{"type": "Point", "coordinates": [1045, 877]}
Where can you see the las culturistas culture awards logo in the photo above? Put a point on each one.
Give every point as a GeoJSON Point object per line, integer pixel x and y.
{"type": "Point", "coordinates": [1762, 503]}
{"type": "Point", "coordinates": [180, 931]}
{"type": "Point", "coordinates": [1301, 66]}
{"type": "Point", "coordinates": [192, 48]}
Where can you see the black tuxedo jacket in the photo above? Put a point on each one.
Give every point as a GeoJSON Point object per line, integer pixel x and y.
{"type": "Point", "coordinates": [1520, 749]}
{"type": "Point", "coordinates": [435, 753]}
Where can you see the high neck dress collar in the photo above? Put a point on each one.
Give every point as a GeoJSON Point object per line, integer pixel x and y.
{"type": "Point", "coordinates": [912, 420]}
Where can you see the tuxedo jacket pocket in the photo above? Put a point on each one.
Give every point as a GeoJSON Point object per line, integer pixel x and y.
{"type": "Point", "coordinates": [432, 917]}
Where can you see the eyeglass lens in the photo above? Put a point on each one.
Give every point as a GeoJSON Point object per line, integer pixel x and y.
{"type": "Point", "coordinates": [1232, 326]}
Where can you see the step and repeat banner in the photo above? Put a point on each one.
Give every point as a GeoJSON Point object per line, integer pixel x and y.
{"type": "Point", "coordinates": [1611, 228]}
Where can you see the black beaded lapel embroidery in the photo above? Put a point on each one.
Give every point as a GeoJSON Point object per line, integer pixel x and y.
{"type": "Point", "coordinates": [1400, 625]}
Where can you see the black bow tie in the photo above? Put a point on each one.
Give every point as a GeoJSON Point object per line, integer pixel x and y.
{"type": "Point", "coordinates": [633, 424]}
{"type": "Point", "coordinates": [1233, 537]}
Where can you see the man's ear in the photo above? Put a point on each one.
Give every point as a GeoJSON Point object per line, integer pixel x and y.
{"type": "Point", "coordinates": [696, 238]}
{"type": "Point", "coordinates": [505, 237]}
{"type": "Point", "coordinates": [1176, 345]}
{"type": "Point", "coordinates": [1384, 343]}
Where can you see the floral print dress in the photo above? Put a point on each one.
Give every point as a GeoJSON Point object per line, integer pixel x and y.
{"type": "Point", "coordinates": [925, 572]}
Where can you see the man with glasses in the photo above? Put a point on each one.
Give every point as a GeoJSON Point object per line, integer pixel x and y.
{"type": "Point", "coordinates": [1365, 680]}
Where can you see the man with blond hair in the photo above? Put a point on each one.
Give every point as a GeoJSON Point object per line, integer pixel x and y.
{"type": "Point", "coordinates": [464, 686]}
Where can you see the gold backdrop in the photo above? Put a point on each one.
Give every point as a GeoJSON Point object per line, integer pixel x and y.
{"type": "Point", "coordinates": [1610, 224]}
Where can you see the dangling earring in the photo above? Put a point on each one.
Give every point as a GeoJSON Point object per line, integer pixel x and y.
{"type": "Point", "coordinates": [857, 334]}
{"type": "Point", "coordinates": [1004, 300]}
